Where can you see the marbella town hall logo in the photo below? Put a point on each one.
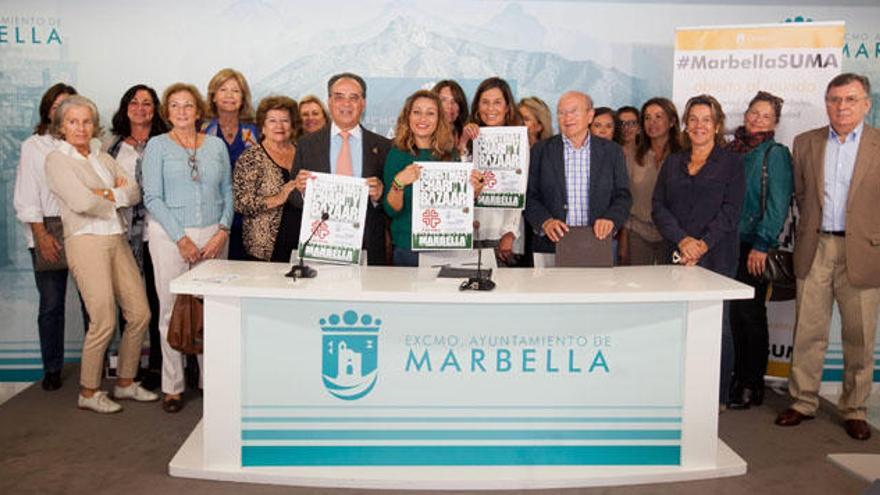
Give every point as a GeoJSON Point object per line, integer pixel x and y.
{"type": "Point", "coordinates": [350, 351]}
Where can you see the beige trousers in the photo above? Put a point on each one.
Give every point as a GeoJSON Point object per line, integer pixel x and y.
{"type": "Point", "coordinates": [827, 282]}
{"type": "Point", "coordinates": [106, 274]}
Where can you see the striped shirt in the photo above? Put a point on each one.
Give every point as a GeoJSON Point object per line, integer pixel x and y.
{"type": "Point", "coordinates": [577, 182]}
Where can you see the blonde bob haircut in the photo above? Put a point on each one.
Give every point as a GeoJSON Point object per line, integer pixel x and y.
{"type": "Point", "coordinates": [57, 125]}
{"type": "Point", "coordinates": [541, 112]}
{"type": "Point", "coordinates": [441, 140]}
{"type": "Point", "coordinates": [317, 101]}
{"type": "Point", "coordinates": [717, 116]}
{"type": "Point", "coordinates": [246, 112]}
{"type": "Point", "coordinates": [201, 108]}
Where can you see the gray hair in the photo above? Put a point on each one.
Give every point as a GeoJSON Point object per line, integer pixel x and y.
{"type": "Point", "coordinates": [73, 101]}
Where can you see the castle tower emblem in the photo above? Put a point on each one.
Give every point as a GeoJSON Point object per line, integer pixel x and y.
{"type": "Point", "coordinates": [350, 354]}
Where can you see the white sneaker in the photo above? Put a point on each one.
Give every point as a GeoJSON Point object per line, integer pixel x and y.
{"type": "Point", "coordinates": [99, 403]}
{"type": "Point", "coordinates": [134, 392]}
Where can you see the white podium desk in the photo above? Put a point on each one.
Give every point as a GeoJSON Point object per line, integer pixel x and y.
{"type": "Point", "coordinates": [391, 378]}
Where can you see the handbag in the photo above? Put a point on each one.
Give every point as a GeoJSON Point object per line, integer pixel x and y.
{"type": "Point", "coordinates": [186, 329]}
{"type": "Point", "coordinates": [55, 228]}
{"type": "Point", "coordinates": [779, 267]}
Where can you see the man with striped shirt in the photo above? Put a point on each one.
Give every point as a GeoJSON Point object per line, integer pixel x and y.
{"type": "Point", "coordinates": [576, 179]}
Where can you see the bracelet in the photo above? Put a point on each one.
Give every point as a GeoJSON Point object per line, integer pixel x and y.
{"type": "Point", "coordinates": [395, 184]}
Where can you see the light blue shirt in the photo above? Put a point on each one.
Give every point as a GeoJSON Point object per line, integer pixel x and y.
{"type": "Point", "coordinates": [355, 143]}
{"type": "Point", "coordinates": [173, 198]}
{"type": "Point", "coordinates": [577, 182]}
{"type": "Point", "coordinates": [840, 161]}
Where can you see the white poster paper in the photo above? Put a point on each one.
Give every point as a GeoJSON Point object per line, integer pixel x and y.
{"type": "Point", "coordinates": [502, 154]}
{"type": "Point", "coordinates": [338, 239]}
{"type": "Point", "coordinates": [443, 212]}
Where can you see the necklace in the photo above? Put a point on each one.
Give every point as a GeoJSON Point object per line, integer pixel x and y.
{"type": "Point", "coordinates": [191, 155]}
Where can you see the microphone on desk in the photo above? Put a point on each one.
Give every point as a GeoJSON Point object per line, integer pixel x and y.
{"type": "Point", "coordinates": [300, 270]}
{"type": "Point", "coordinates": [480, 282]}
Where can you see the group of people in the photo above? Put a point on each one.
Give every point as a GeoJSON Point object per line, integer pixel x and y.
{"type": "Point", "coordinates": [184, 179]}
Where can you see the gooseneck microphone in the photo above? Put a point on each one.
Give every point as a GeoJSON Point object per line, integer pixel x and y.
{"type": "Point", "coordinates": [300, 270]}
{"type": "Point", "coordinates": [483, 281]}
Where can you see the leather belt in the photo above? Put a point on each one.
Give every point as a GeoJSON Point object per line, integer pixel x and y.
{"type": "Point", "coordinates": [838, 233]}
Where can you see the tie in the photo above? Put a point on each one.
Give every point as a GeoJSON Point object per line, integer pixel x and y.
{"type": "Point", "coordinates": [343, 161]}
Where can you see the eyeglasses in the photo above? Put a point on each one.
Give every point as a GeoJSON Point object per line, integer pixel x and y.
{"type": "Point", "coordinates": [629, 123]}
{"type": "Point", "coordinates": [849, 100]}
{"type": "Point", "coordinates": [193, 167]}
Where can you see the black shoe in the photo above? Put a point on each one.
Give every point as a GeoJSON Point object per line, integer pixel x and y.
{"type": "Point", "coordinates": [51, 381]}
{"type": "Point", "coordinates": [150, 379]}
{"type": "Point", "coordinates": [172, 405]}
{"type": "Point", "coordinates": [746, 397]}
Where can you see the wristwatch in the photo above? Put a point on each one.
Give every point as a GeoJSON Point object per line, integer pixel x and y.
{"type": "Point", "coordinates": [106, 194]}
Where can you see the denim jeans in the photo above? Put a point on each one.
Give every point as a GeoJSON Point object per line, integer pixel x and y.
{"type": "Point", "coordinates": [52, 289]}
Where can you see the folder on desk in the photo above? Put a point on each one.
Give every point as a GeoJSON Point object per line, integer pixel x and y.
{"type": "Point", "coordinates": [579, 248]}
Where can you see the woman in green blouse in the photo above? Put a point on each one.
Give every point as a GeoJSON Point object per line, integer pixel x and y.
{"type": "Point", "coordinates": [421, 135]}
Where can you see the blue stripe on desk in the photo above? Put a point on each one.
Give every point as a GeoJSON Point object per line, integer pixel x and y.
{"type": "Point", "coordinates": [21, 375]}
{"type": "Point", "coordinates": [458, 419]}
{"type": "Point", "coordinates": [553, 407]}
{"type": "Point", "coordinates": [836, 375]}
{"type": "Point", "coordinates": [12, 361]}
{"type": "Point", "coordinates": [461, 435]}
{"type": "Point", "coordinates": [433, 455]}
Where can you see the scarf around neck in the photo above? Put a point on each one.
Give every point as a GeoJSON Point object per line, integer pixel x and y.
{"type": "Point", "coordinates": [744, 141]}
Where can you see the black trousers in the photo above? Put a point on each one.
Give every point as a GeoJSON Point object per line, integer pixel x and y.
{"type": "Point", "coordinates": [748, 321]}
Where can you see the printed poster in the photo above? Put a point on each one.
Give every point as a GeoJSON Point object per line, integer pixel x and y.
{"type": "Point", "coordinates": [502, 154]}
{"type": "Point", "coordinates": [339, 238]}
{"type": "Point", "coordinates": [443, 213]}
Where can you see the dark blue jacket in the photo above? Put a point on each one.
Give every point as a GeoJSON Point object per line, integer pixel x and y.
{"type": "Point", "coordinates": [705, 206]}
{"type": "Point", "coordinates": [609, 194]}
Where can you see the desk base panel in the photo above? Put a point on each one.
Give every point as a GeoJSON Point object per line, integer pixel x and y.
{"type": "Point", "coordinates": [189, 462]}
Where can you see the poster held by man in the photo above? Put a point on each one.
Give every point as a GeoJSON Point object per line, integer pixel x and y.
{"type": "Point", "coordinates": [343, 201]}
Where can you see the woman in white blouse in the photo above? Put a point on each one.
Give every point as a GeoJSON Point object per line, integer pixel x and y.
{"type": "Point", "coordinates": [91, 188]}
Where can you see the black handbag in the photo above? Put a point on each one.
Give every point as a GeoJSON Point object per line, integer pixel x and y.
{"type": "Point", "coordinates": [779, 267]}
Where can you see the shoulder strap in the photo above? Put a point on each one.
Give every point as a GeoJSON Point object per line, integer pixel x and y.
{"type": "Point", "coordinates": [764, 178]}
{"type": "Point", "coordinates": [113, 150]}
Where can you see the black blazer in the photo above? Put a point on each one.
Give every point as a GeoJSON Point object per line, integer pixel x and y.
{"type": "Point", "coordinates": [547, 195]}
{"type": "Point", "coordinates": [313, 153]}
{"type": "Point", "coordinates": [704, 206]}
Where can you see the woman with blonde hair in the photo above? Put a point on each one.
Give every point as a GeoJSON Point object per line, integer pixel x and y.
{"type": "Point", "coordinates": [313, 114]}
{"type": "Point", "coordinates": [422, 134]}
{"type": "Point", "coordinates": [231, 115]}
{"type": "Point", "coordinates": [537, 118]}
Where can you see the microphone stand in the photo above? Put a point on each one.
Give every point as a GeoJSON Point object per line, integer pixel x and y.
{"type": "Point", "coordinates": [481, 282]}
{"type": "Point", "coordinates": [300, 270]}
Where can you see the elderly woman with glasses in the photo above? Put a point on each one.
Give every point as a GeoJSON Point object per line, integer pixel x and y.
{"type": "Point", "coordinates": [188, 192]}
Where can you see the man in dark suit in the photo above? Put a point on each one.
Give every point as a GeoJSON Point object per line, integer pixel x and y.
{"type": "Point", "coordinates": [837, 253]}
{"type": "Point", "coordinates": [344, 147]}
{"type": "Point", "coordinates": [576, 179]}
